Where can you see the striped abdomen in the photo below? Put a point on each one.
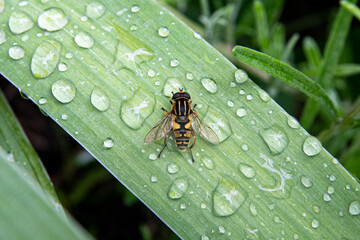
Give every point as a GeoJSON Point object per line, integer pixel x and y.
{"type": "Point", "coordinates": [182, 132]}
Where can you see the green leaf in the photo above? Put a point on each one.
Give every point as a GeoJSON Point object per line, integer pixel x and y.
{"type": "Point", "coordinates": [351, 7]}
{"type": "Point", "coordinates": [266, 179]}
{"type": "Point", "coordinates": [312, 52]}
{"type": "Point", "coordinates": [347, 69]}
{"type": "Point", "coordinates": [283, 72]}
{"type": "Point", "coordinates": [262, 28]}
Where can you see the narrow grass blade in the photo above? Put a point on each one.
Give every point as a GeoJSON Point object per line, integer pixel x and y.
{"type": "Point", "coordinates": [312, 51]}
{"type": "Point", "coordinates": [283, 72]}
{"type": "Point", "coordinates": [262, 28]}
{"type": "Point", "coordinates": [351, 7]}
{"type": "Point", "coordinates": [290, 47]}
{"type": "Point", "coordinates": [347, 69]}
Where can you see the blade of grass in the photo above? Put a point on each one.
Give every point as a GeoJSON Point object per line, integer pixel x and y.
{"type": "Point", "coordinates": [347, 69]}
{"type": "Point", "coordinates": [312, 52]}
{"type": "Point", "coordinates": [262, 28]}
{"type": "Point", "coordinates": [351, 7]}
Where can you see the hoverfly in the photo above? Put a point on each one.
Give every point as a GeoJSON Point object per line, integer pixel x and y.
{"type": "Point", "coordinates": [183, 120]}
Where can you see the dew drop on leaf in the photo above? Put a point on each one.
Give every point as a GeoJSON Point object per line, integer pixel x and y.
{"type": "Point", "coordinates": [219, 123]}
{"type": "Point", "coordinates": [52, 19]}
{"type": "Point", "coordinates": [204, 237]}
{"type": "Point", "coordinates": [275, 138]}
{"type": "Point", "coordinates": [354, 208]}
{"type": "Point", "coordinates": [163, 32]}
{"type": "Point", "coordinates": [108, 143]}
{"type": "Point", "coordinates": [306, 181]}
{"type": "Point", "coordinates": [99, 100]}
{"type": "Point", "coordinates": [172, 85]}
{"type": "Point", "coordinates": [84, 40]}
{"type": "Point", "coordinates": [20, 22]}
{"type": "Point", "coordinates": [326, 197]}
{"type": "Point", "coordinates": [241, 76]}
{"type": "Point", "coordinates": [2, 36]}
{"type": "Point", "coordinates": [241, 112]}
{"type": "Point", "coordinates": [45, 59]}
{"type": "Point", "coordinates": [42, 101]}
{"type": "Point", "coordinates": [253, 209]}
{"type": "Point", "coordinates": [95, 10]}
{"type": "Point", "coordinates": [172, 168]}
{"type": "Point", "coordinates": [16, 52]}
{"type": "Point", "coordinates": [209, 164]}
{"type": "Point", "coordinates": [174, 63]}
{"type": "Point", "coordinates": [330, 190]}
{"type": "Point", "coordinates": [64, 116]}
{"type": "Point", "coordinates": [152, 156]}
{"type": "Point", "coordinates": [63, 90]}
{"type": "Point", "coordinates": [153, 179]}
{"type": "Point", "coordinates": [312, 146]}
{"type": "Point", "coordinates": [292, 122]}
{"type": "Point", "coordinates": [263, 95]}
{"type": "Point", "coordinates": [135, 9]}
{"type": "Point", "coordinates": [189, 76]}
{"type": "Point", "coordinates": [315, 223]}
{"type": "Point", "coordinates": [228, 196]}
{"type": "Point", "coordinates": [178, 188]}
{"type": "Point", "coordinates": [247, 170]}
{"type": "Point", "coordinates": [209, 84]}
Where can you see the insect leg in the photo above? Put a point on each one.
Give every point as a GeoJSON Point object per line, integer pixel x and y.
{"type": "Point", "coordinates": [165, 144]}
{"type": "Point", "coordinates": [166, 112]}
{"type": "Point", "coordinates": [195, 106]}
{"type": "Point", "coordinates": [170, 101]}
{"type": "Point", "coordinates": [192, 158]}
{"type": "Point", "coordinates": [193, 143]}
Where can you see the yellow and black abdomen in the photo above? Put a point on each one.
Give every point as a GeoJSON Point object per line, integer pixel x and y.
{"type": "Point", "coordinates": [182, 132]}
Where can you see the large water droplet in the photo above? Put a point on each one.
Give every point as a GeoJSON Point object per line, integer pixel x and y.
{"type": "Point", "coordinates": [263, 95]}
{"type": "Point", "coordinates": [241, 76]}
{"type": "Point", "coordinates": [16, 52]}
{"type": "Point", "coordinates": [20, 22]}
{"type": "Point", "coordinates": [2, 5]}
{"type": "Point", "coordinates": [275, 138]}
{"type": "Point", "coordinates": [209, 164]}
{"type": "Point", "coordinates": [95, 10]}
{"type": "Point", "coordinates": [173, 168]}
{"type": "Point", "coordinates": [219, 123]}
{"type": "Point", "coordinates": [354, 208]}
{"type": "Point", "coordinates": [45, 59]}
{"type": "Point", "coordinates": [163, 32]}
{"type": "Point", "coordinates": [306, 181]}
{"type": "Point", "coordinates": [312, 146]}
{"type": "Point", "coordinates": [178, 188]}
{"type": "Point", "coordinates": [2, 36]}
{"type": "Point", "coordinates": [100, 100]}
{"type": "Point", "coordinates": [63, 90]}
{"type": "Point", "coordinates": [228, 196]}
{"type": "Point", "coordinates": [135, 110]}
{"type": "Point", "coordinates": [172, 85]}
{"type": "Point", "coordinates": [84, 40]}
{"type": "Point", "coordinates": [209, 84]}
{"type": "Point", "coordinates": [247, 170]}
{"type": "Point", "coordinates": [315, 223]}
{"type": "Point", "coordinates": [52, 19]}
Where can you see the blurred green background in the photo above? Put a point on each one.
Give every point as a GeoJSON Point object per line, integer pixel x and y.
{"type": "Point", "coordinates": [94, 197]}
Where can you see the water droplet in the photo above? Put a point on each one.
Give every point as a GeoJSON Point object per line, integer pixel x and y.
{"type": "Point", "coordinates": [183, 206]}
{"type": "Point", "coordinates": [2, 5]}
{"type": "Point", "coordinates": [253, 209]}
{"type": "Point", "coordinates": [62, 67]}
{"type": "Point", "coordinates": [221, 229]}
{"type": "Point", "coordinates": [69, 55]}
{"type": "Point", "coordinates": [52, 19]}
{"type": "Point", "coordinates": [316, 209]}
{"type": "Point", "coordinates": [228, 196]}
{"type": "Point", "coordinates": [84, 40]}
{"type": "Point", "coordinates": [42, 101]}
{"type": "Point", "coordinates": [292, 122]}
{"type": "Point", "coordinates": [312, 146]}
{"type": "Point", "coordinates": [332, 178]}
{"type": "Point", "coordinates": [263, 95]}
{"type": "Point", "coordinates": [209, 84]}
{"type": "Point", "coordinates": [219, 123]}
{"type": "Point", "coordinates": [172, 85]}
{"type": "Point", "coordinates": [241, 76]}
{"type": "Point", "coordinates": [16, 52]}
{"type": "Point", "coordinates": [330, 190]}
{"type": "Point", "coordinates": [64, 116]}
{"type": "Point", "coordinates": [45, 59]}
{"type": "Point", "coordinates": [23, 38]}
{"type": "Point", "coordinates": [189, 76]}
{"type": "Point", "coordinates": [242, 92]}
{"type": "Point", "coordinates": [204, 237]}
{"type": "Point", "coordinates": [249, 97]}
{"type": "Point", "coordinates": [306, 181]}
{"type": "Point", "coordinates": [84, 18]}
{"type": "Point", "coordinates": [232, 84]}
{"type": "Point", "coordinates": [2, 36]}
{"type": "Point", "coordinates": [135, 9]}
{"type": "Point", "coordinates": [209, 164]}
{"type": "Point", "coordinates": [135, 110]}
{"type": "Point", "coordinates": [163, 32]}
{"type": "Point", "coordinates": [63, 90]}
{"type": "Point", "coordinates": [20, 22]}
{"type": "Point", "coordinates": [178, 188]}
{"type": "Point", "coordinates": [108, 143]}
{"type": "Point", "coordinates": [203, 205]}
{"type": "Point", "coordinates": [133, 27]}
{"type": "Point", "coordinates": [173, 168]}
{"type": "Point", "coordinates": [275, 138]}
{"type": "Point", "coordinates": [153, 179]}
{"type": "Point", "coordinates": [327, 197]}
{"type": "Point", "coordinates": [241, 112]}
{"type": "Point", "coordinates": [230, 103]}
{"type": "Point", "coordinates": [174, 63]}
{"type": "Point", "coordinates": [247, 170]}
{"type": "Point", "coordinates": [100, 100]}
{"type": "Point", "coordinates": [95, 10]}
{"type": "Point", "coordinates": [315, 223]}
{"type": "Point", "coordinates": [151, 73]}
{"type": "Point", "coordinates": [152, 156]}
{"type": "Point", "coordinates": [354, 208]}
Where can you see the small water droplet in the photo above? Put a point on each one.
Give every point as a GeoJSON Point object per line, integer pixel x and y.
{"type": "Point", "coordinates": [100, 100]}
{"type": "Point", "coordinates": [174, 63]}
{"type": "Point", "coordinates": [151, 73]}
{"type": "Point", "coordinates": [163, 32]}
{"type": "Point", "coordinates": [178, 188]}
{"type": "Point", "coordinates": [354, 208]}
{"type": "Point", "coordinates": [204, 237]}
{"type": "Point", "coordinates": [16, 52]}
{"type": "Point", "coordinates": [292, 122]}
{"type": "Point", "coordinates": [68, 55]}
{"type": "Point", "coordinates": [221, 229]}
{"type": "Point", "coordinates": [45, 59]}
{"type": "Point", "coordinates": [84, 18]}
{"type": "Point", "coordinates": [84, 40]}
{"type": "Point", "coordinates": [341, 213]}
{"type": "Point", "coordinates": [135, 9]}
{"type": "Point", "coordinates": [64, 116]}
{"type": "Point", "coordinates": [327, 197]}
{"type": "Point", "coordinates": [219, 123]}
{"type": "Point", "coordinates": [172, 85]}
{"type": "Point", "coordinates": [249, 97]}
{"type": "Point", "coordinates": [42, 101]}
{"type": "Point", "coordinates": [247, 170]}
{"type": "Point", "coordinates": [242, 92]}
{"type": "Point", "coordinates": [241, 112]}
{"type": "Point", "coordinates": [253, 209]}
{"type": "Point", "coordinates": [241, 76]}
{"type": "Point", "coordinates": [312, 146]}
{"type": "Point", "coordinates": [209, 84]}
{"type": "Point", "coordinates": [228, 196]}
{"type": "Point", "coordinates": [275, 138]}
{"type": "Point", "coordinates": [306, 181]}
{"type": "Point", "coordinates": [63, 90]}
{"type": "Point", "coordinates": [52, 19]}
{"type": "Point", "coordinates": [20, 22]}
{"type": "Point", "coordinates": [230, 103]}
{"type": "Point", "coordinates": [62, 67]}
{"type": "Point", "coordinates": [332, 178]}
{"type": "Point", "coordinates": [153, 179]}
{"type": "Point", "coordinates": [108, 143]}
{"type": "Point", "coordinates": [209, 164]}
{"type": "Point", "coordinates": [330, 190]}
{"type": "Point", "coordinates": [173, 168]}
{"type": "Point", "coordinates": [152, 156]}
{"type": "Point", "coordinates": [183, 206]}
{"type": "Point", "coordinates": [263, 95]}
{"type": "Point", "coordinates": [189, 76]}
{"type": "Point", "coordinates": [2, 36]}
{"type": "Point", "coordinates": [135, 110]}
{"type": "Point", "coordinates": [23, 38]}
{"type": "Point", "coordinates": [133, 27]}
{"type": "Point", "coordinates": [315, 223]}
{"type": "Point", "coordinates": [203, 205]}
{"type": "Point", "coordinates": [232, 84]}
{"type": "Point", "coordinates": [95, 10]}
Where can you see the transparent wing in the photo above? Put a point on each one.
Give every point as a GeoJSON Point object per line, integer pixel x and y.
{"type": "Point", "coordinates": [204, 130]}
{"type": "Point", "coordinates": [160, 129]}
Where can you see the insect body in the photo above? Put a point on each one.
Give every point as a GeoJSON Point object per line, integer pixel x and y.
{"type": "Point", "coordinates": [182, 120]}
